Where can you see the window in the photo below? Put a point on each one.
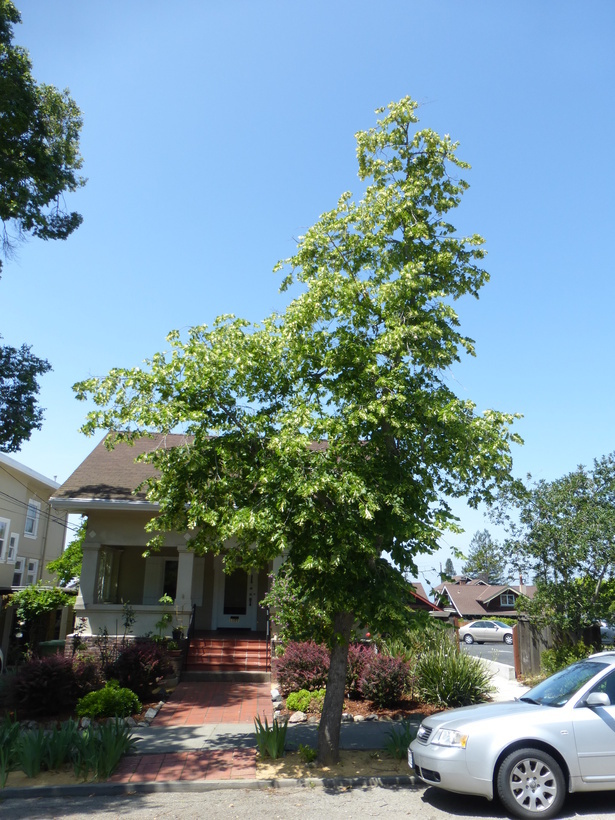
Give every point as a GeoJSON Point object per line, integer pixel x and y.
{"type": "Point", "coordinates": [32, 516]}
{"type": "Point", "coordinates": [18, 572]}
{"type": "Point", "coordinates": [25, 572]}
{"type": "Point", "coordinates": [507, 599]}
{"type": "Point", "coordinates": [31, 571]}
{"type": "Point", "coordinates": [108, 576]}
{"type": "Point", "coordinates": [12, 550]}
{"type": "Point", "coordinates": [5, 526]}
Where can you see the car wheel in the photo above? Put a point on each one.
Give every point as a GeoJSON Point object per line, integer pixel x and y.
{"type": "Point", "coordinates": [468, 639]}
{"type": "Point", "coordinates": [508, 639]}
{"type": "Point", "coordinates": [530, 783]}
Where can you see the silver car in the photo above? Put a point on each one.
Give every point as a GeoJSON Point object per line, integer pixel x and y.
{"type": "Point", "coordinates": [558, 738]}
{"type": "Point", "coordinates": [481, 631]}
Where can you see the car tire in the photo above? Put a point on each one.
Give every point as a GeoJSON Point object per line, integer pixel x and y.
{"type": "Point", "coordinates": [508, 639]}
{"type": "Point", "coordinates": [530, 783]}
{"type": "Point", "coordinates": [468, 639]}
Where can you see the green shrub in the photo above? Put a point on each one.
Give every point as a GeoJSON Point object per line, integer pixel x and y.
{"type": "Point", "coordinates": [112, 701]}
{"type": "Point", "coordinates": [415, 642]}
{"type": "Point", "coordinates": [99, 749]}
{"type": "Point", "coordinates": [303, 701]}
{"type": "Point", "coordinates": [384, 680]}
{"type": "Point", "coordinates": [451, 678]}
{"type": "Point", "coordinates": [59, 746]}
{"type": "Point", "coordinates": [398, 740]}
{"type": "Point", "coordinates": [559, 657]}
{"type": "Point", "coordinates": [299, 701]}
{"type": "Point", "coordinates": [270, 740]}
{"type": "Point", "coordinates": [31, 747]}
{"type": "Point", "coordinates": [9, 732]}
{"type": "Point", "coordinates": [307, 753]}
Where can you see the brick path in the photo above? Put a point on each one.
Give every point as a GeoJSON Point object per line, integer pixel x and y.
{"type": "Point", "coordinates": [211, 764]}
{"type": "Point", "coordinates": [195, 704]}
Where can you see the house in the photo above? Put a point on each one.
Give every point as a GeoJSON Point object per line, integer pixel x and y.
{"type": "Point", "coordinates": [473, 598]}
{"type": "Point", "coordinates": [31, 533]}
{"type": "Point", "coordinates": [420, 599]}
{"type": "Point", "coordinates": [115, 571]}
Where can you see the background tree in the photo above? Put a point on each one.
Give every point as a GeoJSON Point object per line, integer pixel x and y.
{"type": "Point", "coordinates": [68, 565]}
{"type": "Point", "coordinates": [39, 161]}
{"type": "Point", "coordinates": [486, 559]}
{"type": "Point", "coordinates": [565, 537]}
{"type": "Point", "coordinates": [329, 433]}
{"type": "Point", "coordinates": [449, 568]}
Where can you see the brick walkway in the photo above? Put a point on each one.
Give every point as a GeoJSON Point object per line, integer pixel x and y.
{"type": "Point", "coordinates": [212, 764]}
{"type": "Point", "coordinates": [195, 704]}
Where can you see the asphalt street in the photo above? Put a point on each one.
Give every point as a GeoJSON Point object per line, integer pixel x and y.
{"type": "Point", "coordinates": [499, 652]}
{"type": "Point", "coordinates": [289, 803]}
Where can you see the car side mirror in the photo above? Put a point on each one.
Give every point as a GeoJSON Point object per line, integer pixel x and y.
{"type": "Point", "coordinates": [597, 699]}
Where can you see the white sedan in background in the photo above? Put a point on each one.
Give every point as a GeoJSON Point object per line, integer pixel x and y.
{"type": "Point", "coordinates": [482, 631]}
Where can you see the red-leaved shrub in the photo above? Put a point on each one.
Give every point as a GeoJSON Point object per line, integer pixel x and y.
{"type": "Point", "coordinates": [140, 666]}
{"type": "Point", "coordinates": [48, 686]}
{"type": "Point", "coordinates": [302, 666]}
{"type": "Point", "coordinates": [384, 680]}
{"type": "Point", "coordinates": [359, 658]}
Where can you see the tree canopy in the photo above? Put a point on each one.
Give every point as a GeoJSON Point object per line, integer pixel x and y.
{"type": "Point", "coordinates": [564, 536]}
{"type": "Point", "coordinates": [328, 432]}
{"type": "Point", "coordinates": [39, 136]}
{"type": "Point", "coordinates": [39, 163]}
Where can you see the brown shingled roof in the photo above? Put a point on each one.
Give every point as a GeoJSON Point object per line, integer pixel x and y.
{"type": "Point", "coordinates": [113, 475]}
{"type": "Point", "coordinates": [469, 600]}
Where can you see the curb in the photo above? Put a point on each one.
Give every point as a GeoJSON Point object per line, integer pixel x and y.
{"type": "Point", "coordinates": [90, 789]}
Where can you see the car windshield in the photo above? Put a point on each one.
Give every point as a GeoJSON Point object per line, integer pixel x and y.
{"type": "Point", "coordinates": [559, 688]}
{"type": "Point", "coordinates": [502, 624]}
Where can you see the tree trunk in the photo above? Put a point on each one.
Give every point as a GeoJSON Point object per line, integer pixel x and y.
{"type": "Point", "coordinates": [331, 718]}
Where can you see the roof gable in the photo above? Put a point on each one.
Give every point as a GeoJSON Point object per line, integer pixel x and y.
{"type": "Point", "coordinates": [109, 475]}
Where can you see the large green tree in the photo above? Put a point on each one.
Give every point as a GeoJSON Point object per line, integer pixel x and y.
{"type": "Point", "coordinates": [39, 164]}
{"type": "Point", "coordinates": [563, 536]}
{"type": "Point", "coordinates": [329, 432]}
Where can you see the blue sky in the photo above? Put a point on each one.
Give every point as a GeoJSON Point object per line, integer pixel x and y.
{"type": "Point", "coordinates": [216, 132]}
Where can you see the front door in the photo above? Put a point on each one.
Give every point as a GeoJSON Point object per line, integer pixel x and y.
{"type": "Point", "coordinates": [234, 599]}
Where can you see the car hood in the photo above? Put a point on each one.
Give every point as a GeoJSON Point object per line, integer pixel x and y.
{"type": "Point", "coordinates": [457, 718]}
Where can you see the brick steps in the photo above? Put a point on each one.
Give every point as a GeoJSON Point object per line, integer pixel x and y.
{"type": "Point", "coordinates": [227, 658]}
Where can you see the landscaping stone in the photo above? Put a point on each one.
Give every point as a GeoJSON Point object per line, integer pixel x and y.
{"type": "Point", "coordinates": [347, 718]}
{"type": "Point", "coordinates": [298, 717]}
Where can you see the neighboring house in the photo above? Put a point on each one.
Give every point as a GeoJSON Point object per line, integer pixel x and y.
{"type": "Point", "coordinates": [421, 599]}
{"type": "Point", "coordinates": [116, 572]}
{"type": "Point", "coordinates": [471, 599]}
{"type": "Point", "coordinates": [31, 533]}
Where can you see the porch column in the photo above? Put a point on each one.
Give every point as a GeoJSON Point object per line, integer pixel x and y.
{"type": "Point", "coordinates": [185, 570]}
{"type": "Point", "coordinates": [89, 567]}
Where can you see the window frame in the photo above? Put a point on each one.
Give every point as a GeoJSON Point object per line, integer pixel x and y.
{"type": "Point", "coordinates": [5, 537]}
{"type": "Point", "coordinates": [507, 599]}
{"type": "Point", "coordinates": [35, 519]}
{"type": "Point", "coordinates": [31, 571]}
{"type": "Point", "coordinates": [12, 548]}
{"type": "Point", "coordinates": [18, 568]}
